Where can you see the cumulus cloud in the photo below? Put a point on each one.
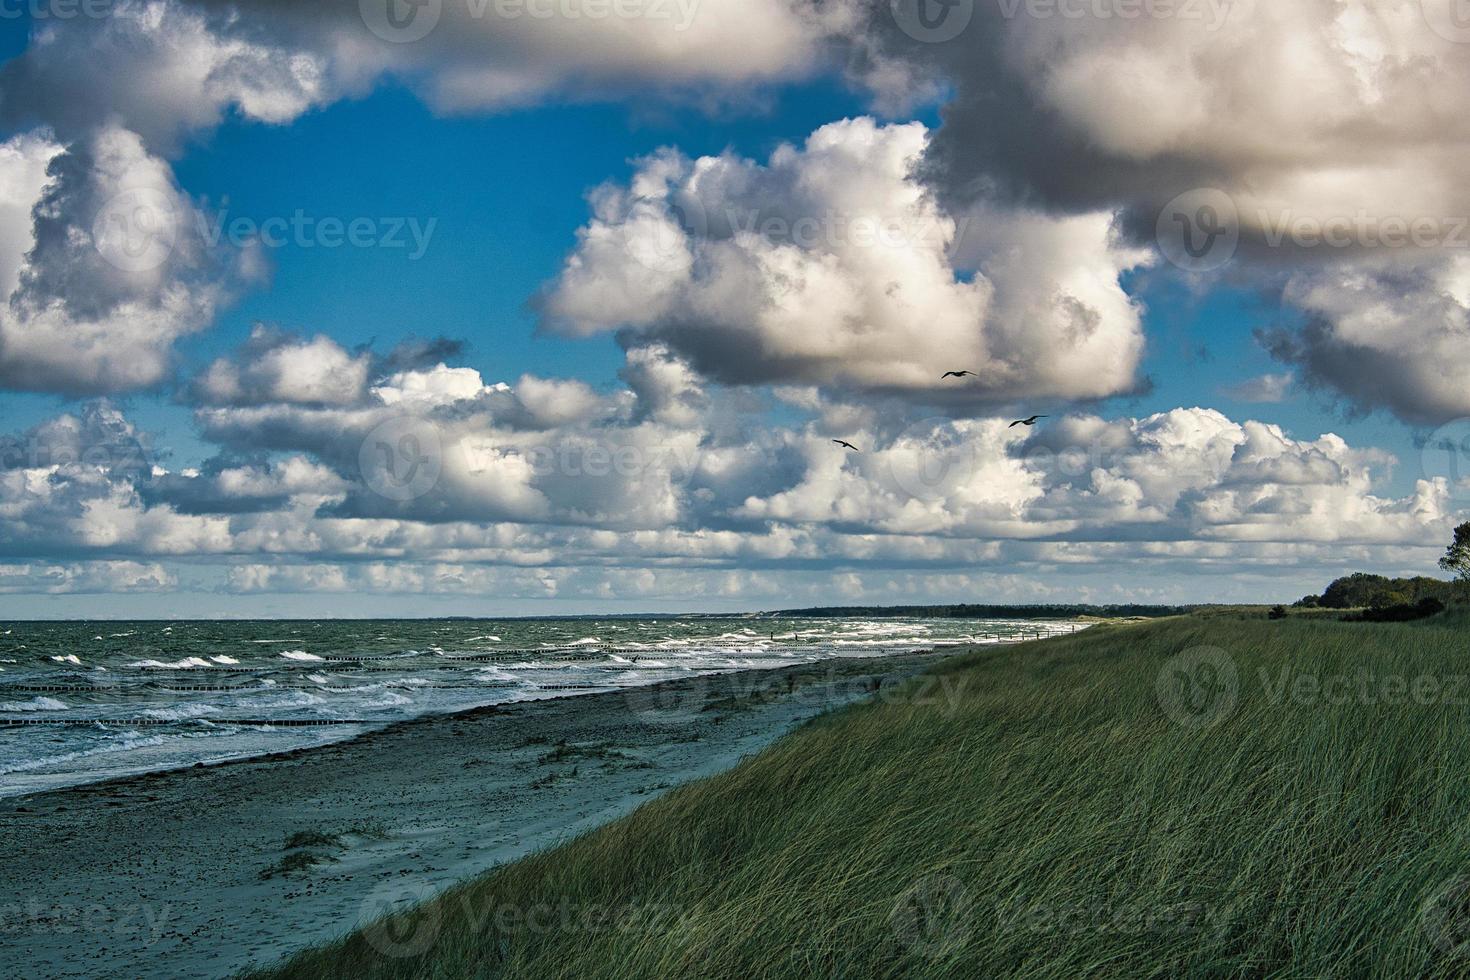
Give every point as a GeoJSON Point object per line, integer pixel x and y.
{"type": "Point", "coordinates": [92, 577]}
{"type": "Point", "coordinates": [102, 264]}
{"type": "Point", "coordinates": [75, 483]}
{"type": "Point", "coordinates": [276, 367]}
{"type": "Point", "coordinates": [163, 68]}
{"type": "Point", "coordinates": [1184, 475]}
{"type": "Point", "coordinates": [1385, 335]}
{"type": "Point", "coordinates": [665, 388]}
{"type": "Point", "coordinates": [234, 486]}
{"type": "Point", "coordinates": [556, 512]}
{"type": "Point", "coordinates": [167, 68]}
{"type": "Point", "coordinates": [831, 265]}
{"type": "Point", "coordinates": [1322, 106]}
{"type": "Point", "coordinates": [439, 444]}
{"type": "Point", "coordinates": [1328, 136]}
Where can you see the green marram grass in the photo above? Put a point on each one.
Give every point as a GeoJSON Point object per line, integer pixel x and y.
{"type": "Point", "coordinates": [1116, 803]}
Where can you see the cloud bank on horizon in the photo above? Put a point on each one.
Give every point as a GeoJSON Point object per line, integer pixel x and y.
{"type": "Point", "coordinates": [763, 305]}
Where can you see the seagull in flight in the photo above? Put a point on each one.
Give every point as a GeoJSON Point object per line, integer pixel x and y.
{"type": "Point", "coordinates": [959, 374]}
{"type": "Point", "coordinates": [1028, 422]}
{"type": "Point", "coordinates": [847, 445]}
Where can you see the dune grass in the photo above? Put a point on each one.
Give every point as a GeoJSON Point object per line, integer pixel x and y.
{"type": "Point", "coordinates": [1167, 799]}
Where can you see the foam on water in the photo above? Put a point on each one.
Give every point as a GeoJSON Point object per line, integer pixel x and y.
{"type": "Point", "coordinates": [185, 664]}
{"type": "Point", "coordinates": [35, 704]}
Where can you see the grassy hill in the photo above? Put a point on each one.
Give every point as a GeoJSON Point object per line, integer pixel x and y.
{"type": "Point", "coordinates": [1198, 796]}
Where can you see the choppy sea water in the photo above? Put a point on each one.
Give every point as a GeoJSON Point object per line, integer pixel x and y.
{"type": "Point", "coordinates": [86, 701]}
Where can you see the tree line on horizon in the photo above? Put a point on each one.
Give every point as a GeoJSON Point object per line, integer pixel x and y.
{"type": "Point", "coordinates": [1364, 590]}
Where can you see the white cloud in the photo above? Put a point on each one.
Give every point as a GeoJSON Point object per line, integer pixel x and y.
{"type": "Point", "coordinates": [1326, 107]}
{"type": "Point", "coordinates": [773, 506]}
{"type": "Point", "coordinates": [1385, 335]}
{"type": "Point", "coordinates": [276, 368]}
{"type": "Point", "coordinates": [167, 68]}
{"type": "Point", "coordinates": [103, 265]}
{"type": "Point", "coordinates": [1335, 131]}
{"type": "Point", "coordinates": [92, 577]}
{"type": "Point", "coordinates": [163, 69]}
{"type": "Point", "coordinates": [831, 265]}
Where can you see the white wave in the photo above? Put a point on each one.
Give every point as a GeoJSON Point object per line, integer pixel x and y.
{"type": "Point", "coordinates": [387, 700]}
{"type": "Point", "coordinates": [184, 664]}
{"type": "Point", "coordinates": [182, 712]}
{"type": "Point", "coordinates": [70, 658]}
{"type": "Point", "coordinates": [34, 704]}
{"type": "Point", "coordinates": [126, 743]}
{"type": "Point", "coordinates": [294, 699]}
{"type": "Point", "coordinates": [222, 659]}
{"type": "Point", "coordinates": [300, 655]}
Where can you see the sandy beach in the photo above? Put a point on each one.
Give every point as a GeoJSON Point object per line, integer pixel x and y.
{"type": "Point", "coordinates": [211, 870]}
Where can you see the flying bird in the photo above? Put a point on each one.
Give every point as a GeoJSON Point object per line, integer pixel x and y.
{"type": "Point", "coordinates": [1030, 421]}
{"type": "Point", "coordinates": [847, 445]}
{"type": "Point", "coordinates": [959, 374]}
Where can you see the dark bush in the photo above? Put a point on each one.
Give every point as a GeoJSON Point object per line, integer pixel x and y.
{"type": "Point", "coordinates": [1398, 614]}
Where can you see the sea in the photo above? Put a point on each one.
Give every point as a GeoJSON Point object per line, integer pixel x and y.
{"type": "Point", "coordinates": [87, 701]}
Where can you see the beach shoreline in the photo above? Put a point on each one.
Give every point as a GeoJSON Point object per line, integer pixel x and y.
{"type": "Point", "coordinates": [216, 868]}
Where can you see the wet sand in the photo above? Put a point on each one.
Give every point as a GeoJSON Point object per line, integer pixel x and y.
{"type": "Point", "coordinates": [211, 870]}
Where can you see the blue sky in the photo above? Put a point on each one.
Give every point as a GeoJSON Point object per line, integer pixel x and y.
{"type": "Point", "coordinates": [1208, 474]}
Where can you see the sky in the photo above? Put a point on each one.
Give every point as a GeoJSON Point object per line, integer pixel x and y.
{"type": "Point", "coordinates": [535, 307]}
